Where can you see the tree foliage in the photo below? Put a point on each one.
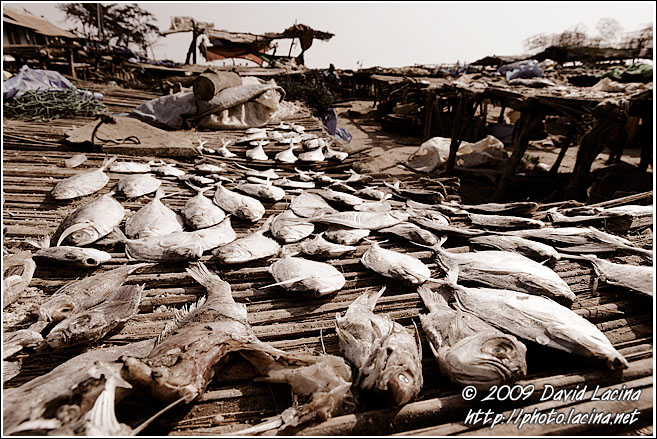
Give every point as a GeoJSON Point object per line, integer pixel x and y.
{"type": "Point", "coordinates": [123, 24]}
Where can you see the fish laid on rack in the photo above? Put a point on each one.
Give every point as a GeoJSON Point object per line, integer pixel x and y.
{"type": "Point", "coordinates": [318, 246]}
{"type": "Point", "coordinates": [363, 220]}
{"type": "Point", "coordinates": [130, 167]}
{"type": "Point", "coordinates": [412, 233]}
{"type": "Point", "coordinates": [200, 212]}
{"type": "Point", "coordinates": [536, 251]}
{"type": "Point", "coordinates": [340, 197]}
{"type": "Point", "coordinates": [345, 235]}
{"type": "Point", "coordinates": [136, 185]}
{"type": "Point", "coordinates": [263, 191]}
{"type": "Point", "coordinates": [516, 208]}
{"type": "Point", "coordinates": [214, 236]}
{"type": "Point", "coordinates": [153, 219]}
{"type": "Point", "coordinates": [168, 248]}
{"type": "Point", "coordinates": [289, 227]}
{"type": "Point", "coordinates": [241, 206]}
{"type": "Point", "coordinates": [91, 221]}
{"type": "Point", "coordinates": [504, 221]}
{"type": "Point", "coordinates": [250, 248]}
{"type": "Point", "coordinates": [82, 184]}
{"type": "Point", "coordinates": [633, 277]}
{"type": "Point", "coordinates": [80, 256]}
{"type": "Point", "coordinates": [299, 274]}
{"type": "Point", "coordinates": [395, 265]}
{"type": "Point", "coordinates": [17, 272]}
{"type": "Point", "coordinates": [308, 205]}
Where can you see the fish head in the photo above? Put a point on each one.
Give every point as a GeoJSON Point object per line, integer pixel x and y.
{"type": "Point", "coordinates": [484, 359]}
{"type": "Point", "coordinates": [399, 215]}
{"type": "Point", "coordinates": [233, 254]}
{"type": "Point", "coordinates": [77, 329]}
{"type": "Point", "coordinates": [65, 192]}
{"type": "Point", "coordinates": [57, 309]}
{"type": "Point", "coordinates": [401, 377]}
{"type": "Point", "coordinates": [80, 234]}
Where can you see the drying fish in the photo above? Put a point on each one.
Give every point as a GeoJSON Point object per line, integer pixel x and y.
{"type": "Point", "coordinates": [91, 221]}
{"type": "Point", "coordinates": [34, 400]}
{"type": "Point", "coordinates": [504, 221]}
{"type": "Point", "coordinates": [263, 191]}
{"type": "Point", "coordinates": [343, 186]}
{"type": "Point", "coordinates": [257, 153]}
{"type": "Point", "coordinates": [374, 206]}
{"type": "Point", "coordinates": [318, 246]}
{"type": "Point", "coordinates": [17, 271]}
{"type": "Point", "coordinates": [200, 180]}
{"type": "Point", "coordinates": [130, 167]}
{"type": "Point", "coordinates": [505, 270]}
{"type": "Point", "coordinates": [283, 126]}
{"type": "Point", "coordinates": [340, 197]}
{"type": "Point", "coordinates": [412, 233]}
{"type": "Point", "coordinates": [356, 177]}
{"type": "Point", "coordinates": [538, 319]}
{"type": "Point", "coordinates": [313, 143]}
{"type": "Point", "coordinates": [167, 170]}
{"type": "Point", "coordinates": [315, 155]}
{"type": "Point", "coordinates": [441, 227]}
{"type": "Point", "coordinates": [252, 247]}
{"type": "Point", "coordinates": [75, 161]}
{"type": "Point", "coordinates": [167, 248]}
{"type": "Point", "coordinates": [217, 177]}
{"type": "Point", "coordinates": [82, 256]}
{"type": "Point", "coordinates": [298, 128]}
{"type": "Point", "coordinates": [200, 212]}
{"type": "Point", "coordinates": [242, 206]}
{"type": "Point", "coordinates": [363, 220]}
{"type": "Point", "coordinates": [223, 150]}
{"type": "Point", "coordinates": [298, 274]}
{"type": "Point", "coordinates": [94, 323]}
{"type": "Point", "coordinates": [468, 350]}
{"type": "Point", "coordinates": [269, 174]}
{"type": "Point", "coordinates": [345, 236]}
{"type": "Point", "coordinates": [410, 193]}
{"type": "Point", "coordinates": [287, 155]}
{"type": "Point", "coordinates": [257, 180]}
{"type": "Point", "coordinates": [82, 184]}
{"type": "Point", "coordinates": [517, 208]}
{"type": "Point", "coordinates": [581, 215]}
{"type": "Point", "coordinates": [289, 227]}
{"type": "Point", "coordinates": [274, 135]}
{"type": "Point", "coordinates": [285, 182]}
{"type": "Point", "coordinates": [307, 175]}
{"type": "Point", "coordinates": [533, 250]}
{"type": "Point", "coordinates": [443, 207]}
{"type": "Point", "coordinates": [310, 205]}
{"type": "Point", "coordinates": [374, 193]}
{"type": "Point", "coordinates": [213, 237]}
{"type": "Point", "coordinates": [255, 130]}
{"type": "Point", "coordinates": [209, 168]}
{"type": "Point", "coordinates": [384, 353]}
{"type": "Point", "coordinates": [333, 154]}
{"type": "Point", "coordinates": [634, 277]}
{"type": "Point", "coordinates": [253, 136]}
{"type": "Point", "coordinates": [153, 219]}
{"type": "Point", "coordinates": [395, 265]}
{"type": "Point", "coordinates": [136, 185]}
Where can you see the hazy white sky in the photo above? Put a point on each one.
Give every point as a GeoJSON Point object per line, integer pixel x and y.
{"type": "Point", "coordinates": [388, 34]}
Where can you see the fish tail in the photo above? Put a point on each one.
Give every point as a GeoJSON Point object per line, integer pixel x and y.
{"type": "Point", "coordinates": [433, 300]}
{"type": "Point", "coordinates": [116, 231]}
{"type": "Point", "coordinates": [108, 161]}
{"type": "Point", "coordinates": [368, 299]}
{"type": "Point", "coordinates": [136, 267]}
{"type": "Point", "coordinates": [44, 242]}
{"type": "Point", "coordinates": [211, 281]}
{"type": "Point", "coordinates": [196, 188]}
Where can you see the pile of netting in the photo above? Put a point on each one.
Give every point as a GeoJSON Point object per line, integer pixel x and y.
{"type": "Point", "coordinates": [44, 105]}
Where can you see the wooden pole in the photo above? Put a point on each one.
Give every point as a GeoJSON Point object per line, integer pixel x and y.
{"type": "Point", "coordinates": [72, 64]}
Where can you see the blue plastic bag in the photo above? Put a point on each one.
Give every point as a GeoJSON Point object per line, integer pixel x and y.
{"type": "Point", "coordinates": [29, 79]}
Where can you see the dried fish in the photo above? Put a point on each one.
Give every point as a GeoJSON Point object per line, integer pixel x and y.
{"type": "Point", "coordinates": [586, 214]}
{"type": "Point", "coordinates": [213, 237]}
{"type": "Point", "coordinates": [82, 184]}
{"type": "Point", "coordinates": [307, 175]}
{"type": "Point", "coordinates": [318, 246]}
{"type": "Point", "coordinates": [289, 227]}
{"type": "Point", "coordinates": [82, 256]}
{"type": "Point", "coordinates": [153, 219]}
{"type": "Point", "coordinates": [538, 319]}
{"type": "Point", "coordinates": [209, 168]}
{"type": "Point", "coordinates": [252, 247]}
{"type": "Point", "coordinates": [504, 221]}
{"type": "Point", "coordinates": [517, 208]}
{"type": "Point", "coordinates": [200, 180]}
{"type": "Point", "coordinates": [340, 197]}
{"type": "Point", "coordinates": [345, 236]}
{"type": "Point", "coordinates": [76, 161]}
{"type": "Point", "coordinates": [94, 323]}
{"type": "Point", "coordinates": [468, 350]}
{"type": "Point", "coordinates": [395, 265]}
{"type": "Point", "coordinates": [298, 274]}
{"type": "Point", "coordinates": [356, 177]}
{"type": "Point", "coordinates": [130, 167]}
{"type": "Point", "coordinates": [17, 271]}
{"type": "Point", "coordinates": [374, 206]}
{"type": "Point", "coordinates": [333, 154]}
{"type": "Point", "coordinates": [171, 247]}
{"type": "Point", "coordinates": [242, 206]}
{"type": "Point", "coordinates": [374, 193]}
{"type": "Point", "coordinates": [285, 182]}
{"type": "Point", "coordinates": [91, 221]}
{"type": "Point", "coordinates": [200, 212]}
{"type": "Point", "coordinates": [263, 191]}
{"type": "Point", "coordinates": [167, 170]}
{"type": "Point", "coordinates": [223, 150]}
{"type": "Point", "coordinates": [506, 270]}
{"type": "Point", "coordinates": [443, 228]}
{"type": "Point", "coordinates": [309, 205]}
{"type": "Point", "coordinates": [257, 180]}
{"type": "Point", "coordinates": [136, 185]}
{"type": "Point", "coordinates": [385, 355]}
{"type": "Point", "coordinates": [269, 174]}
{"type": "Point", "coordinates": [315, 155]}
{"type": "Point", "coordinates": [363, 220]}
{"type": "Point", "coordinates": [412, 233]}
{"type": "Point", "coordinates": [634, 277]}
{"type": "Point", "coordinates": [533, 250]}
{"type": "Point", "coordinates": [257, 153]}
{"type": "Point", "coordinates": [410, 193]}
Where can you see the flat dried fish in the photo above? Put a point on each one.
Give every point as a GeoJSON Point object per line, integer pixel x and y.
{"type": "Point", "coordinates": [82, 184]}
{"type": "Point", "coordinates": [539, 319]}
{"type": "Point", "coordinates": [363, 220]}
{"type": "Point", "coordinates": [209, 168]}
{"type": "Point", "coordinates": [634, 277]}
{"type": "Point", "coordinates": [385, 355]}
{"type": "Point", "coordinates": [395, 265]}
{"type": "Point", "coordinates": [130, 167]}
{"type": "Point", "coordinates": [76, 161]}
{"type": "Point", "coordinates": [167, 170]}
{"type": "Point", "coordinates": [213, 237]}
{"type": "Point", "coordinates": [374, 206]}
{"type": "Point", "coordinates": [242, 206]}
{"type": "Point", "coordinates": [263, 191]}
{"type": "Point", "coordinates": [200, 212]}
{"type": "Point", "coordinates": [94, 323]}
{"type": "Point", "coordinates": [309, 205]}
{"type": "Point", "coordinates": [171, 247]}
{"type": "Point", "coordinates": [257, 153]}
{"type": "Point", "coordinates": [223, 150]}
{"type": "Point", "coordinates": [153, 219]}
{"type": "Point", "coordinates": [504, 221]}
{"type": "Point", "coordinates": [356, 177]}
{"type": "Point", "coordinates": [318, 246]}
{"type": "Point", "coordinates": [537, 251]}
{"type": "Point", "coordinates": [422, 194]}
{"type": "Point", "coordinates": [505, 270]}
{"type": "Point", "coordinates": [289, 227]}
{"type": "Point", "coordinates": [136, 185]}
{"type": "Point", "coordinates": [91, 221]}
{"type": "Point", "coordinates": [285, 182]}
{"type": "Point", "coordinates": [340, 197]}
{"type": "Point", "coordinates": [468, 350]}
{"type": "Point", "coordinates": [81, 256]}
{"type": "Point", "coordinates": [345, 236]}
{"type": "Point", "coordinates": [586, 214]}
{"type": "Point", "coordinates": [250, 248]}
{"type": "Point", "coordinates": [517, 208]}
{"type": "Point", "coordinates": [17, 272]}
{"type": "Point", "coordinates": [445, 229]}
{"type": "Point", "coordinates": [200, 180]}
{"type": "Point", "coordinates": [315, 155]}
{"type": "Point", "coordinates": [374, 193]}
{"type": "Point", "coordinates": [332, 154]}
{"type": "Point", "coordinates": [298, 274]}
{"type": "Point", "coordinates": [412, 233]}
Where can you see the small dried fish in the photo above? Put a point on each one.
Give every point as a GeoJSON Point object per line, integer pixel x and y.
{"type": "Point", "coordinates": [167, 248]}
{"type": "Point", "coordinates": [285, 182]}
{"type": "Point", "coordinates": [250, 248]}
{"type": "Point", "coordinates": [333, 154]}
{"type": "Point", "coordinates": [372, 192]}
{"type": "Point", "coordinates": [82, 184]}
{"type": "Point", "coordinates": [220, 234]}
{"type": "Point", "coordinates": [634, 277]}
{"type": "Point", "coordinates": [340, 197]}
{"type": "Point", "coordinates": [412, 233]}
{"type": "Point", "coordinates": [517, 208]}
{"type": "Point", "coordinates": [82, 256]}
{"type": "Point", "coordinates": [309, 205]}
{"type": "Point", "coordinates": [242, 206]}
{"type": "Point", "coordinates": [94, 323]}
{"type": "Point", "coordinates": [263, 191]}
{"type": "Point", "coordinates": [538, 319]}
{"type": "Point", "coordinates": [136, 185]}
{"type": "Point", "coordinates": [91, 221]}
{"type": "Point", "coordinates": [130, 167]}
{"type": "Point", "coordinates": [533, 250]}
{"type": "Point", "coordinates": [76, 161]}
{"type": "Point", "coordinates": [269, 174]}
{"type": "Point", "coordinates": [504, 221]}
{"type": "Point", "coordinates": [363, 220]}
{"type": "Point", "coordinates": [298, 274]}
{"type": "Point", "coordinates": [307, 175]}
{"type": "Point", "coordinates": [17, 272]}
{"type": "Point", "coordinates": [345, 236]}
{"type": "Point", "coordinates": [257, 153]}
{"type": "Point", "coordinates": [318, 246]}
{"type": "Point", "coordinates": [395, 265]}
{"type": "Point", "coordinates": [585, 214]}
{"type": "Point", "coordinates": [167, 170]}
{"type": "Point", "coordinates": [223, 150]}
{"type": "Point", "coordinates": [257, 180]}
{"type": "Point", "coordinates": [200, 212]}
{"type": "Point", "coordinates": [422, 194]}
{"type": "Point", "coordinates": [356, 177]}
{"type": "Point", "coordinates": [443, 228]}
{"type": "Point", "coordinates": [385, 355]}
{"type": "Point", "coordinates": [209, 168]}
{"type": "Point", "coordinates": [289, 227]}
{"type": "Point", "coordinates": [315, 155]}
{"type": "Point", "coordinates": [153, 219]}
{"type": "Point", "coordinates": [374, 206]}
{"type": "Point", "coordinates": [468, 350]}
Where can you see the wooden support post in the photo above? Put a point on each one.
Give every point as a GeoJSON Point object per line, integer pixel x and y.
{"type": "Point", "coordinates": [464, 111]}
{"type": "Point", "coordinates": [645, 141]}
{"type": "Point", "coordinates": [565, 144]}
{"type": "Point", "coordinates": [72, 64]}
{"type": "Point", "coordinates": [428, 114]}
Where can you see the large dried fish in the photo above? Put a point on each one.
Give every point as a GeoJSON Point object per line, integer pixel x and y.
{"type": "Point", "coordinates": [384, 353]}
{"type": "Point", "coordinates": [171, 247]}
{"type": "Point", "coordinates": [468, 350]}
{"type": "Point", "coordinates": [82, 184]}
{"type": "Point", "coordinates": [533, 250]}
{"type": "Point", "coordinates": [242, 206]}
{"type": "Point", "coordinates": [310, 205]}
{"type": "Point", "coordinates": [374, 206]}
{"type": "Point", "coordinates": [257, 153]}
{"type": "Point", "coordinates": [94, 323]}
{"type": "Point", "coordinates": [363, 220]}
{"type": "Point", "coordinates": [17, 271]}
{"type": "Point", "coordinates": [539, 319]}
{"type": "Point", "coordinates": [289, 227]}
{"type": "Point", "coordinates": [298, 274]}
{"type": "Point", "coordinates": [318, 246]}
{"type": "Point", "coordinates": [130, 167]}
{"type": "Point", "coordinates": [81, 256]}
{"type": "Point", "coordinates": [340, 197]}
{"type": "Point", "coordinates": [634, 277]}
{"type": "Point", "coordinates": [395, 265]}
{"type": "Point", "coordinates": [517, 208]}
{"type": "Point", "coordinates": [412, 233]}
{"type": "Point", "coordinates": [136, 185]}
{"type": "Point", "coordinates": [345, 236]}
{"type": "Point", "coordinates": [315, 155]}
{"type": "Point", "coordinates": [91, 221]}
{"type": "Point", "coordinates": [504, 221]}
{"type": "Point", "coordinates": [585, 214]}
{"type": "Point", "coordinates": [153, 219]}
{"type": "Point", "coordinates": [220, 234]}
{"type": "Point", "coordinates": [263, 191]}
{"type": "Point", "coordinates": [200, 212]}
{"type": "Point", "coordinates": [505, 270]}
{"type": "Point", "coordinates": [252, 247]}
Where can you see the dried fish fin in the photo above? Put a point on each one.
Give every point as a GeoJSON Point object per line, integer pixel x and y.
{"type": "Point", "coordinates": [180, 318]}
{"type": "Point", "coordinates": [101, 419]}
{"type": "Point", "coordinates": [433, 300]}
{"type": "Point", "coordinates": [107, 161]}
{"type": "Point", "coordinates": [368, 299]}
